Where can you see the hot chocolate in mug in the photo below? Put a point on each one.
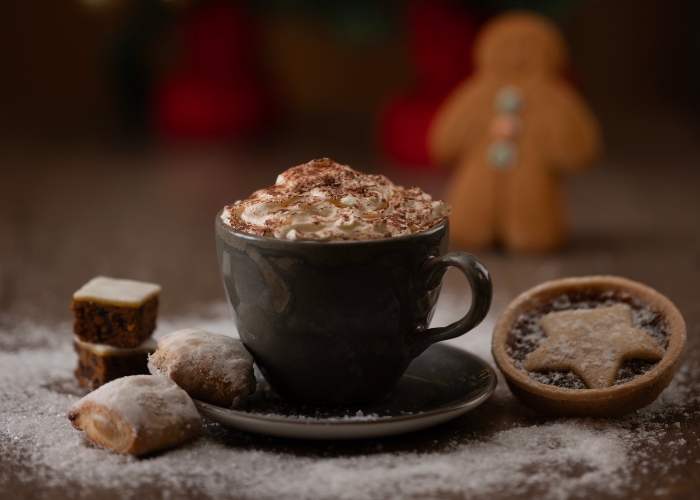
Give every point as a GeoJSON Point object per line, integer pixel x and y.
{"type": "Point", "coordinates": [331, 322]}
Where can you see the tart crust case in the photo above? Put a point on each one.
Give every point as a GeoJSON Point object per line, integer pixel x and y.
{"type": "Point", "coordinates": [613, 401]}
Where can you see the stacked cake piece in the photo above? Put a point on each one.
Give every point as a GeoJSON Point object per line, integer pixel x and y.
{"type": "Point", "coordinates": [114, 321]}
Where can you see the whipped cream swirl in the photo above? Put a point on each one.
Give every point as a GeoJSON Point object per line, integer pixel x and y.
{"type": "Point", "coordinates": [323, 200]}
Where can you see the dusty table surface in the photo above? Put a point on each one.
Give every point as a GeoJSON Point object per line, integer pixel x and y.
{"type": "Point", "coordinates": [69, 213]}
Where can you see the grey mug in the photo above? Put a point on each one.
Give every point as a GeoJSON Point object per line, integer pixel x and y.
{"type": "Point", "coordinates": [339, 322]}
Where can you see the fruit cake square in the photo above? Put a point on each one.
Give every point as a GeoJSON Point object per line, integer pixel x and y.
{"type": "Point", "coordinates": [115, 312]}
{"type": "Point", "coordinates": [100, 363]}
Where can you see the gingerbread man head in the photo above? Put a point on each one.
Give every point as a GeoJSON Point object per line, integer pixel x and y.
{"type": "Point", "coordinates": [520, 45]}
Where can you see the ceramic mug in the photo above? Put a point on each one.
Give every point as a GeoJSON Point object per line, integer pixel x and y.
{"type": "Point", "coordinates": [339, 322]}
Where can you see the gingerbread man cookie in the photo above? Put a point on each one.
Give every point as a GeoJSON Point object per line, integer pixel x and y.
{"type": "Point", "coordinates": [511, 130]}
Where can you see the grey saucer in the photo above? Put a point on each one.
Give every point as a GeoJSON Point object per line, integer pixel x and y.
{"type": "Point", "coordinates": [441, 384]}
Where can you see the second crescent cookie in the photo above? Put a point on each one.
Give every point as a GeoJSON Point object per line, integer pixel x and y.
{"type": "Point", "coordinates": [212, 368]}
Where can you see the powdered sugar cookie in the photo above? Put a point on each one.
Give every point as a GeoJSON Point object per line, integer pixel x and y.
{"type": "Point", "coordinates": [210, 367]}
{"type": "Point", "coordinates": [137, 415]}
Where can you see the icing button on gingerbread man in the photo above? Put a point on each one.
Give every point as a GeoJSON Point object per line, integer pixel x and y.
{"type": "Point", "coordinates": [506, 128]}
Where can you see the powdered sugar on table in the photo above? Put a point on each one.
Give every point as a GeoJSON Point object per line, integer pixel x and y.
{"type": "Point", "coordinates": [500, 449]}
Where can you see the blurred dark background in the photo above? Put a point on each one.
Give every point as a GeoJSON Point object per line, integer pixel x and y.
{"type": "Point", "coordinates": [126, 124]}
{"type": "Point", "coordinates": [77, 69]}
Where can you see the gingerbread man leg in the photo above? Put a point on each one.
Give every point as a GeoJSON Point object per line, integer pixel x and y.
{"type": "Point", "coordinates": [472, 194]}
{"type": "Point", "coordinates": [531, 217]}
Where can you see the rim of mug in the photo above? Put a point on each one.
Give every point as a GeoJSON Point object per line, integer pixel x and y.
{"type": "Point", "coordinates": [254, 237]}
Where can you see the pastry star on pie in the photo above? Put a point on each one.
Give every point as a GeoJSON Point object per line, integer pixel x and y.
{"type": "Point", "coordinates": [592, 343]}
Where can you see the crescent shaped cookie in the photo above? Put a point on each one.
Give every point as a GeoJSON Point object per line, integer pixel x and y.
{"type": "Point", "coordinates": [137, 415]}
{"type": "Point", "coordinates": [213, 368]}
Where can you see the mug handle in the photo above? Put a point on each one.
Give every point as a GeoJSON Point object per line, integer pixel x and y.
{"type": "Point", "coordinates": [482, 291]}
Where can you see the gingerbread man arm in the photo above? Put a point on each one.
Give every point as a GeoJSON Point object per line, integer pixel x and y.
{"type": "Point", "coordinates": [572, 141]}
{"type": "Point", "coordinates": [456, 124]}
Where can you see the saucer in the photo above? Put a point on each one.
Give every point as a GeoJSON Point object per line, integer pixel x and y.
{"type": "Point", "coordinates": [441, 384]}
